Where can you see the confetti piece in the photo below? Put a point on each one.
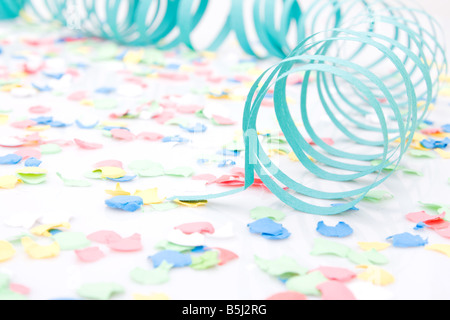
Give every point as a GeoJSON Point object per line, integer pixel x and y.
{"type": "Point", "coordinates": [149, 196]}
{"type": "Point", "coordinates": [441, 248]}
{"type": "Point", "coordinates": [377, 195]}
{"type": "Point", "coordinates": [192, 204]}
{"type": "Point", "coordinates": [10, 159]}
{"type": "Point", "coordinates": [269, 229]}
{"type": "Point", "coordinates": [37, 251]}
{"type": "Point", "coordinates": [73, 182]}
{"type": "Point", "coordinates": [9, 182]}
{"type": "Point", "coordinates": [180, 172]}
{"type": "Point", "coordinates": [87, 145]}
{"type": "Point", "coordinates": [306, 284]}
{"type": "Point", "coordinates": [335, 290]}
{"type": "Point", "coordinates": [100, 291]}
{"type": "Point", "coordinates": [433, 222]}
{"type": "Point", "coordinates": [118, 191]}
{"type": "Point", "coordinates": [264, 212]}
{"type": "Point", "coordinates": [130, 244]}
{"type": "Point", "coordinates": [191, 240]}
{"type": "Point", "coordinates": [90, 255]}
{"type": "Point", "coordinates": [288, 295]}
{"type": "Point", "coordinates": [174, 258]}
{"type": "Point", "coordinates": [327, 247]}
{"type": "Point", "coordinates": [7, 251]}
{"type": "Point", "coordinates": [43, 230]}
{"type": "Point", "coordinates": [126, 203]}
{"type": "Point", "coordinates": [157, 276]}
{"type": "Point", "coordinates": [379, 246]}
{"type": "Point", "coordinates": [146, 168]}
{"type": "Point", "coordinates": [225, 256]}
{"type": "Point", "coordinates": [50, 148]}
{"type": "Point", "coordinates": [32, 175]}
{"type": "Point", "coordinates": [33, 162]}
{"type": "Point", "coordinates": [407, 240]}
{"type": "Point", "coordinates": [104, 237]}
{"type": "Point", "coordinates": [283, 267]}
{"type": "Point", "coordinates": [69, 241]}
{"type": "Point", "coordinates": [166, 245]}
{"type": "Point", "coordinates": [20, 289]}
{"type": "Point", "coordinates": [39, 109]}
{"type": "Point", "coordinates": [196, 227]}
{"type": "Point", "coordinates": [122, 134]}
{"type": "Point", "coordinates": [167, 206]}
{"type": "Point", "coordinates": [341, 230]}
{"type": "Point", "coordinates": [376, 275]}
{"type": "Point", "coordinates": [150, 136]}
{"type": "Point", "coordinates": [207, 260]}
{"type": "Point", "coordinates": [111, 172]}
{"type": "Point", "coordinates": [336, 274]}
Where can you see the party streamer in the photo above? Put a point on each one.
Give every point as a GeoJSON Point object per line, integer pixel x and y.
{"type": "Point", "coordinates": [374, 65]}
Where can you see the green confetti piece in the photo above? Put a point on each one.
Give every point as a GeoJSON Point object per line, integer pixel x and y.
{"type": "Point", "coordinates": [74, 183]}
{"type": "Point", "coordinates": [276, 140]}
{"type": "Point", "coordinates": [265, 212]}
{"type": "Point", "coordinates": [377, 195]}
{"type": "Point", "coordinates": [105, 103]}
{"type": "Point", "coordinates": [5, 109]}
{"type": "Point", "coordinates": [167, 245]}
{"type": "Point", "coordinates": [422, 154]}
{"type": "Point", "coordinates": [328, 247]}
{"type": "Point", "coordinates": [177, 122]}
{"type": "Point", "coordinates": [32, 179]}
{"type": "Point", "coordinates": [307, 284]}
{"type": "Point", "coordinates": [8, 295]}
{"type": "Point", "coordinates": [105, 52]}
{"type": "Point", "coordinates": [358, 258]}
{"type": "Point", "coordinates": [413, 172]}
{"type": "Point", "coordinates": [166, 206]}
{"type": "Point", "coordinates": [100, 291]}
{"type": "Point", "coordinates": [376, 257]}
{"type": "Point", "coordinates": [147, 168]}
{"type": "Point", "coordinates": [50, 148]}
{"type": "Point", "coordinates": [180, 172]}
{"type": "Point", "coordinates": [97, 175]}
{"type": "Point", "coordinates": [4, 281]}
{"type": "Point", "coordinates": [284, 267]}
{"type": "Point", "coordinates": [206, 261]}
{"type": "Point", "coordinates": [156, 276]}
{"type": "Point", "coordinates": [69, 241]}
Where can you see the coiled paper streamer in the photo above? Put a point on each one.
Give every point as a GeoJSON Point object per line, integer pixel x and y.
{"type": "Point", "coordinates": [10, 8]}
{"type": "Point", "coordinates": [375, 107]}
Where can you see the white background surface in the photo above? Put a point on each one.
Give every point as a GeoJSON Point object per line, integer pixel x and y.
{"type": "Point", "coordinates": [420, 274]}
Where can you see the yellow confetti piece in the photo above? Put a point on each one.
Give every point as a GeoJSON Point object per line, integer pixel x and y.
{"type": "Point", "coordinates": [441, 248]}
{"type": "Point", "coordinates": [150, 196]}
{"type": "Point", "coordinates": [445, 92]}
{"type": "Point", "coordinates": [293, 157]}
{"type": "Point", "coordinates": [444, 78]}
{"type": "Point", "coordinates": [20, 74]}
{"type": "Point", "coordinates": [209, 54]}
{"type": "Point", "coordinates": [9, 87]}
{"type": "Point", "coordinates": [378, 246]}
{"type": "Point", "coordinates": [192, 204]}
{"type": "Point", "coordinates": [118, 192]}
{"type": "Point", "coordinates": [9, 182]}
{"type": "Point", "coordinates": [111, 172]}
{"type": "Point", "coordinates": [7, 251]}
{"type": "Point", "coordinates": [441, 135]}
{"type": "Point", "coordinates": [273, 152]}
{"type": "Point", "coordinates": [32, 170]}
{"type": "Point", "coordinates": [376, 275]}
{"type": "Point", "coordinates": [87, 102]}
{"type": "Point", "coordinates": [38, 128]}
{"type": "Point", "coordinates": [37, 251]}
{"type": "Point", "coordinates": [187, 68]}
{"type": "Point", "coordinates": [4, 118]}
{"type": "Point", "coordinates": [43, 230]}
{"type": "Point", "coordinates": [133, 56]}
{"type": "Point", "coordinates": [155, 296]}
{"type": "Point", "coordinates": [444, 154]}
{"type": "Point", "coordinates": [417, 146]}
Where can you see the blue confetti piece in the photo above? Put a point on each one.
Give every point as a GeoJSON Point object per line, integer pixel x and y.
{"type": "Point", "coordinates": [175, 139]}
{"type": "Point", "coordinates": [59, 124]}
{"type": "Point", "coordinates": [407, 240]}
{"type": "Point", "coordinates": [435, 144]}
{"type": "Point", "coordinates": [54, 231]}
{"type": "Point", "coordinates": [200, 249]}
{"type": "Point", "coordinates": [226, 163]}
{"type": "Point", "coordinates": [10, 159]}
{"type": "Point", "coordinates": [126, 203]}
{"type": "Point", "coordinates": [105, 90]}
{"type": "Point", "coordinates": [266, 226]}
{"type": "Point", "coordinates": [202, 161]}
{"type": "Point", "coordinates": [57, 76]}
{"type": "Point", "coordinates": [123, 179]}
{"type": "Point", "coordinates": [230, 153]}
{"type": "Point", "coordinates": [43, 120]}
{"type": "Point", "coordinates": [83, 126]}
{"type": "Point", "coordinates": [107, 128]}
{"type": "Point", "coordinates": [198, 128]}
{"type": "Point", "coordinates": [283, 234]}
{"type": "Point", "coordinates": [420, 226]}
{"type": "Point", "coordinates": [446, 128]}
{"type": "Point", "coordinates": [45, 88]}
{"type": "Point", "coordinates": [175, 258]}
{"type": "Point", "coordinates": [32, 162]}
{"type": "Point", "coordinates": [428, 122]}
{"type": "Point", "coordinates": [341, 230]}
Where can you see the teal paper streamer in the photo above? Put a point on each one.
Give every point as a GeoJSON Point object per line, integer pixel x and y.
{"type": "Point", "coordinates": [10, 9]}
{"type": "Point", "coordinates": [405, 58]}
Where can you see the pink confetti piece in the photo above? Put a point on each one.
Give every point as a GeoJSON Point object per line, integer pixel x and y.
{"type": "Point", "coordinates": [328, 141]}
{"type": "Point", "coordinates": [26, 153]}
{"type": "Point", "coordinates": [109, 163]}
{"type": "Point", "coordinates": [150, 136]}
{"type": "Point", "coordinates": [77, 96]}
{"type": "Point", "coordinates": [104, 237]}
{"type": "Point", "coordinates": [163, 117]}
{"type": "Point", "coordinates": [225, 256]}
{"type": "Point", "coordinates": [444, 232]}
{"type": "Point", "coordinates": [173, 76]}
{"type": "Point", "coordinates": [430, 131]}
{"type": "Point", "coordinates": [20, 289]}
{"type": "Point", "coordinates": [87, 145]}
{"type": "Point", "coordinates": [434, 222]}
{"type": "Point", "coordinates": [122, 134]}
{"type": "Point", "coordinates": [337, 274]}
{"type": "Point", "coordinates": [39, 109]}
{"type": "Point", "coordinates": [222, 120]}
{"type": "Point", "coordinates": [23, 124]}
{"type": "Point", "coordinates": [196, 227]}
{"type": "Point", "coordinates": [288, 295]}
{"type": "Point", "coordinates": [92, 254]}
{"type": "Point", "coordinates": [189, 109]}
{"type": "Point", "coordinates": [130, 244]}
{"type": "Point", "coordinates": [335, 290]}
